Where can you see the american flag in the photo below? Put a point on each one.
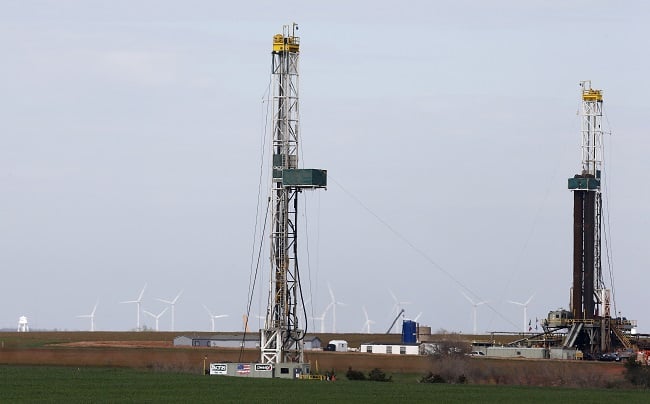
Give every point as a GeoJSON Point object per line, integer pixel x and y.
{"type": "Point", "coordinates": [243, 368]}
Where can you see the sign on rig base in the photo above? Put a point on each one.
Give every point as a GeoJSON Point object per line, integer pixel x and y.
{"type": "Point", "coordinates": [263, 370]}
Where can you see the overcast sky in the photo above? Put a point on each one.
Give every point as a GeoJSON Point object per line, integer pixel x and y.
{"type": "Point", "coordinates": [130, 148]}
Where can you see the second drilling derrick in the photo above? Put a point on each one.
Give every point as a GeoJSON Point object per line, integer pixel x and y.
{"type": "Point", "coordinates": [590, 324]}
{"type": "Point", "coordinates": [281, 340]}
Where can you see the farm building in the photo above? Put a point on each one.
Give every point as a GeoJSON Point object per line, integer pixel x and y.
{"type": "Point", "coordinates": [234, 341]}
{"type": "Point", "coordinates": [394, 349]}
{"type": "Point", "coordinates": [514, 352]}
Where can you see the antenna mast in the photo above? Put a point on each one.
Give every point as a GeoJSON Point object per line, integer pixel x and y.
{"type": "Point", "coordinates": [282, 338]}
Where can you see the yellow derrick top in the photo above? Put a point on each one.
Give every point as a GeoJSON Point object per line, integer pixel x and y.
{"type": "Point", "coordinates": [592, 95]}
{"type": "Point", "coordinates": [285, 44]}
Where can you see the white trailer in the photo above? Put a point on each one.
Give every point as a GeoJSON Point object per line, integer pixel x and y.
{"type": "Point", "coordinates": [337, 345]}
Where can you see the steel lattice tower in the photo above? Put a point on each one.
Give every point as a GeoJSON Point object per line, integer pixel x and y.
{"type": "Point", "coordinates": [590, 324]}
{"type": "Point", "coordinates": [282, 338]}
{"type": "Point", "coordinates": [587, 271]}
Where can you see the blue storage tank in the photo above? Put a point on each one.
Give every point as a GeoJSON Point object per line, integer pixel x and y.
{"type": "Point", "coordinates": [409, 332]}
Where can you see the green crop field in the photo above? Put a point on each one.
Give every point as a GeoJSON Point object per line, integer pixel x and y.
{"type": "Point", "coordinates": [72, 384]}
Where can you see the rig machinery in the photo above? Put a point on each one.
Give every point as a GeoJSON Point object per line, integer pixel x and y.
{"type": "Point", "coordinates": [281, 340]}
{"type": "Point", "coordinates": [589, 321]}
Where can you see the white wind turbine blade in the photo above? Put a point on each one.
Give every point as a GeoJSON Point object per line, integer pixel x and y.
{"type": "Point", "coordinates": [211, 316]}
{"type": "Point", "coordinates": [321, 318]}
{"type": "Point", "coordinates": [525, 306]}
{"type": "Point", "coordinates": [91, 316]}
{"type": "Point", "coordinates": [334, 301]}
{"type": "Point", "coordinates": [398, 307]}
{"type": "Point", "coordinates": [177, 296]}
{"type": "Point", "coordinates": [329, 306]}
{"type": "Point", "coordinates": [137, 302]}
{"type": "Point", "coordinates": [152, 315]}
{"type": "Point", "coordinates": [398, 304]}
{"type": "Point", "coordinates": [333, 305]}
{"type": "Point", "coordinates": [322, 322]}
{"type": "Point", "coordinates": [469, 299]}
{"type": "Point", "coordinates": [216, 317]}
{"type": "Point", "coordinates": [474, 310]}
{"type": "Point", "coordinates": [155, 316]}
{"type": "Point", "coordinates": [393, 295]}
{"type": "Point", "coordinates": [366, 324]}
{"type": "Point", "coordinates": [142, 293]}
{"type": "Point", "coordinates": [529, 299]}
{"type": "Point", "coordinates": [139, 299]}
{"type": "Point", "coordinates": [172, 303]}
{"type": "Point", "coordinates": [417, 317]}
{"type": "Point", "coordinates": [329, 288]}
{"type": "Point", "coordinates": [208, 310]}
{"type": "Point", "coordinates": [160, 315]}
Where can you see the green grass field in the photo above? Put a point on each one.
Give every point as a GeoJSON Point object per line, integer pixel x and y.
{"type": "Point", "coordinates": [71, 384]}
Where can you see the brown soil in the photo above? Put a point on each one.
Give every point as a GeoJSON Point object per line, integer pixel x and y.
{"type": "Point", "coordinates": [153, 353]}
{"type": "Point", "coordinates": [117, 344]}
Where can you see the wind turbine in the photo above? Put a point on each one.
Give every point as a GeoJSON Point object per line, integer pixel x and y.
{"type": "Point", "coordinates": [157, 317]}
{"type": "Point", "coordinates": [525, 306]}
{"type": "Point", "coordinates": [172, 303]}
{"type": "Point", "coordinates": [321, 318]}
{"type": "Point", "coordinates": [137, 302]}
{"type": "Point", "coordinates": [213, 317]}
{"type": "Point", "coordinates": [398, 307]}
{"type": "Point", "coordinates": [333, 304]}
{"type": "Point", "coordinates": [475, 306]}
{"type": "Point", "coordinates": [366, 325]}
{"type": "Point", "coordinates": [91, 316]}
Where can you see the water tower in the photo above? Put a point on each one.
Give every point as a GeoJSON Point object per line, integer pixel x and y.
{"type": "Point", "coordinates": [23, 325]}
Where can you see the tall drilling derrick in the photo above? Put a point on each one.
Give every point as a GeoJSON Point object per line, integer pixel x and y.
{"type": "Point", "coordinates": [587, 272]}
{"type": "Point", "coordinates": [591, 326]}
{"type": "Point", "coordinates": [282, 337]}
{"type": "Point", "coordinates": [589, 298]}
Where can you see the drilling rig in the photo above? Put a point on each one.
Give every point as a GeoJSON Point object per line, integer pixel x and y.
{"type": "Point", "coordinates": [589, 321]}
{"type": "Point", "coordinates": [281, 340]}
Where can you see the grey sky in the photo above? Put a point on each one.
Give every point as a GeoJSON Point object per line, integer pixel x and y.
{"type": "Point", "coordinates": [130, 152]}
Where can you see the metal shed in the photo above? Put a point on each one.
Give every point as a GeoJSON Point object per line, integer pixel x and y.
{"type": "Point", "coordinates": [234, 341]}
